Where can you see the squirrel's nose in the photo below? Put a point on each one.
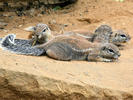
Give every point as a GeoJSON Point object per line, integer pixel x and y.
{"type": "Point", "coordinates": [119, 54]}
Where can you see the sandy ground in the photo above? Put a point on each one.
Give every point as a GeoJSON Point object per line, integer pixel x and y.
{"type": "Point", "coordinates": [84, 15]}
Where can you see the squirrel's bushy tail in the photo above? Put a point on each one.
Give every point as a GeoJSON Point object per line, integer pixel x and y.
{"type": "Point", "coordinates": [8, 43]}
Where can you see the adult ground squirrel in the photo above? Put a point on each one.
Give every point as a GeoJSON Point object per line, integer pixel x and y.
{"type": "Point", "coordinates": [64, 47]}
{"type": "Point", "coordinates": [103, 33]}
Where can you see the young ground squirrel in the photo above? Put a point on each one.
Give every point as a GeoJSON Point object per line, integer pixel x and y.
{"type": "Point", "coordinates": [118, 37]}
{"type": "Point", "coordinates": [64, 47]}
{"type": "Point", "coordinates": [41, 34]}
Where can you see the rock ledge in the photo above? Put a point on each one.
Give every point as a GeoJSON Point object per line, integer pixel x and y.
{"type": "Point", "coordinates": [24, 86]}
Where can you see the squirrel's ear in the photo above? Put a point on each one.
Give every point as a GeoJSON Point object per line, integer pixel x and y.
{"type": "Point", "coordinates": [30, 28]}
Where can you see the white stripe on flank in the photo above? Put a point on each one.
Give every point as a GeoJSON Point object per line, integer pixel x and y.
{"type": "Point", "coordinates": [83, 50]}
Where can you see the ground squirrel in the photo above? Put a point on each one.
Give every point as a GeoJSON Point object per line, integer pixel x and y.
{"type": "Point", "coordinates": [103, 34]}
{"type": "Point", "coordinates": [118, 37]}
{"type": "Point", "coordinates": [40, 33]}
{"type": "Point", "coordinates": [64, 47]}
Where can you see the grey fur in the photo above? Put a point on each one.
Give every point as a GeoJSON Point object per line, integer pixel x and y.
{"type": "Point", "coordinates": [64, 51]}
{"type": "Point", "coordinates": [21, 42]}
{"type": "Point", "coordinates": [20, 46]}
{"type": "Point", "coordinates": [102, 34]}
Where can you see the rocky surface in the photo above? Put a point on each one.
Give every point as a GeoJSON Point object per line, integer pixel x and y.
{"type": "Point", "coordinates": [25, 86]}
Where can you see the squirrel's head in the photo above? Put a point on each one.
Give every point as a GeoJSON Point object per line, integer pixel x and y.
{"type": "Point", "coordinates": [102, 34]}
{"type": "Point", "coordinates": [109, 51]}
{"type": "Point", "coordinates": [119, 37]}
{"type": "Point", "coordinates": [41, 32]}
{"type": "Point", "coordinates": [103, 29]}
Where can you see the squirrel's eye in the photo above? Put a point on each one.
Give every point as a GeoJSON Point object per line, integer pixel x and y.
{"type": "Point", "coordinates": [111, 32]}
{"type": "Point", "coordinates": [122, 35]}
{"type": "Point", "coordinates": [110, 50]}
{"type": "Point", "coordinates": [44, 30]}
{"type": "Point", "coordinates": [34, 28]}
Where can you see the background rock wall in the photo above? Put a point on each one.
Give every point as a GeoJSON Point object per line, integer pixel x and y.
{"type": "Point", "coordinates": [12, 5]}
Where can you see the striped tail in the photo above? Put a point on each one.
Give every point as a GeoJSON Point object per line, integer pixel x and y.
{"type": "Point", "coordinates": [24, 48]}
